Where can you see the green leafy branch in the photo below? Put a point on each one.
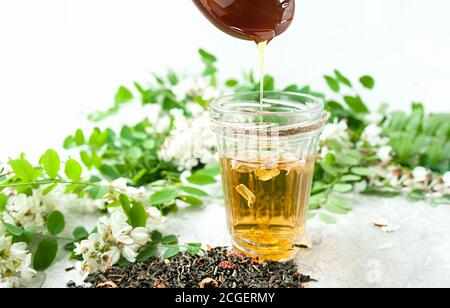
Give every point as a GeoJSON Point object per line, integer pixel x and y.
{"type": "Point", "coordinates": [419, 138]}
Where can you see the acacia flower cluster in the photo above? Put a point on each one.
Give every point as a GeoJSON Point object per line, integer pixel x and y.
{"type": "Point", "coordinates": [15, 263]}
{"type": "Point", "coordinates": [372, 137]}
{"type": "Point", "coordinates": [190, 144]}
{"type": "Point", "coordinates": [191, 87]}
{"type": "Point", "coordinates": [337, 131]}
{"type": "Point", "coordinates": [31, 212]}
{"type": "Point", "coordinates": [114, 239]}
{"type": "Point", "coordinates": [420, 179]}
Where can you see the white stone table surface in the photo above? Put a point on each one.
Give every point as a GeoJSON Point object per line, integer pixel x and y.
{"type": "Point", "coordinates": [352, 253]}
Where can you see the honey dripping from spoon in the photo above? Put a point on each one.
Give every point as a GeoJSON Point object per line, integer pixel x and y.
{"type": "Point", "coordinates": [255, 20]}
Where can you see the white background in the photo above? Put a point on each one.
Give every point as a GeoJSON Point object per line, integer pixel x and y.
{"type": "Point", "coordinates": [60, 59]}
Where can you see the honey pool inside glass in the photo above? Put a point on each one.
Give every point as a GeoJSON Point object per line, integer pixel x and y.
{"type": "Point", "coordinates": [267, 155]}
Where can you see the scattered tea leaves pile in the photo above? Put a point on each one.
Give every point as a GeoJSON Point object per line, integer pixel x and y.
{"type": "Point", "coordinates": [217, 268]}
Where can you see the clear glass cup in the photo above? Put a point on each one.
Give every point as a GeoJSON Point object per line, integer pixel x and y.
{"type": "Point", "coordinates": [267, 154]}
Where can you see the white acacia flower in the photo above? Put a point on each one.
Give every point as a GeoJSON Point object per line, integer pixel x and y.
{"type": "Point", "coordinates": [118, 184]}
{"type": "Point", "coordinates": [152, 112]}
{"type": "Point", "coordinates": [446, 179]}
{"type": "Point", "coordinates": [90, 245]}
{"type": "Point", "coordinates": [374, 118]}
{"type": "Point", "coordinates": [335, 131]}
{"type": "Point", "coordinates": [163, 124]}
{"type": "Point", "coordinates": [58, 199]}
{"type": "Point", "coordinates": [420, 175]}
{"type": "Point", "coordinates": [323, 152]}
{"type": "Point", "coordinates": [384, 154]}
{"type": "Point", "coordinates": [139, 236]}
{"type": "Point", "coordinates": [360, 186]}
{"type": "Point", "coordinates": [188, 147]}
{"type": "Point", "coordinates": [29, 212]}
{"type": "Point", "coordinates": [111, 256]}
{"type": "Point", "coordinates": [121, 184]}
{"type": "Point", "coordinates": [188, 87]}
{"type": "Point", "coordinates": [114, 238]}
{"type": "Point", "coordinates": [130, 252]}
{"type": "Point", "coordinates": [195, 109]}
{"type": "Point", "coordinates": [192, 87]}
{"type": "Point", "coordinates": [155, 219]}
{"type": "Point", "coordinates": [15, 263]}
{"type": "Point", "coordinates": [372, 136]}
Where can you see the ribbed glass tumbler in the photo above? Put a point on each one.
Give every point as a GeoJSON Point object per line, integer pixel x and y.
{"type": "Point", "coordinates": [267, 154]}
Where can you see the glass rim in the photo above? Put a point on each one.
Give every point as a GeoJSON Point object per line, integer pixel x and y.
{"type": "Point", "coordinates": [217, 105]}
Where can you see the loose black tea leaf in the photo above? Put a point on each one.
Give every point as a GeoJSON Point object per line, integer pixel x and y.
{"type": "Point", "coordinates": [217, 268]}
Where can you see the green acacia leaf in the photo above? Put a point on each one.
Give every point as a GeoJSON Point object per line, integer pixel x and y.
{"type": "Point", "coordinates": [124, 263]}
{"type": "Point", "coordinates": [26, 237]}
{"type": "Point", "coordinates": [206, 56]}
{"type": "Point", "coordinates": [14, 230]}
{"type": "Point", "coordinates": [147, 253]}
{"type": "Point", "coordinates": [194, 248]}
{"type": "Point", "coordinates": [340, 202]}
{"type": "Point", "coordinates": [69, 143]}
{"type": "Point", "coordinates": [164, 196]}
{"type": "Point", "coordinates": [123, 95]}
{"type": "Point", "coordinates": [23, 169]}
{"type": "Point", "coordinates": [416, 196]}
{"type": "Point", "coordinates": [191, 200]}
{"type": "Point", "coordinates": [349, 158]}
{"type": "Point", "coordinates": [51, 163]}
{"type": "Point", "coordinates": [444, 200]}
{"type": "Point", "coordinates": [364, 172]}
{"type": "Point", "coordinates": [73, 170]}
{"type": "Point", "coordinates": [381, 192]}
{"type": "Point", "coordinates": [194, 191]}
{"type": "Point", "coordinates": [70, 247]}
{"type": "Point", "coordinates": [316, 201]}
{"type": "Point", "coordinates": [45, 254]}
{"type": "Point", "coordinates": [171, 252]}
{"type": "Point", "coordinates": [86, 159]}
{"type": "Point", "coordinates": [126, 204]}
{"type": "Point", "coordinates": [169, 240]}
{"type": "Point", "coordinates": [80, 233]}
{"type": "Point", "coordinates": [138, 215]}
{"type": "Point", "coordinates": [49, 189]}
{"type": "Point", "coordinates": [98, 192]}
{"type": "Point", "coordinates": [343, 188]}
{"type": "Point", "coordinates": [319, 187]}
{"type": "Point", "coordinates": [156, 237]}
{"type": "Point", "coordinates": [110, 172]}
{"type": "Point", "coordinates": [337, 205]}
{"type": "Point", "coordinates": [231, 83]}
{"type": "Point", "coordinates": [80, 139]}
{"type": "Point", "coordinates": [344, 80]}
{"type": "Point", "coordinates": [201, 179]}
{"type": "Point", "coordinates": [351, 178]}
{"type": "Point", "coordinates": [329, 168]}
{"type": "Point", "coordinates": [114, 204]}
{"type": "Point", "coordinates": [333, 208]}
{"type": "Point", "coordinates": [356, 104]}
{"type": "Point", "coordinates": [56, 223]}
{"type": "Point", "coordinates": [212, 171]}
{"type": "Point", "coordinates": [3, 202]}
{"type": "Point", "coordinates": [333, 84]}
{"type": "Point", "coordinates": [367, 82]}
{"type": "Point", "coordinates": [328, 219]}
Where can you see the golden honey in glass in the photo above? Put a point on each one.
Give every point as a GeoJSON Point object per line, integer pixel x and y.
{"type": "Point", "coordinates": [267, 162]}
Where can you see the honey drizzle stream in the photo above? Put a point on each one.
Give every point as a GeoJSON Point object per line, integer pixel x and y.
{"type": "Point", "coordinates": [262, 67]}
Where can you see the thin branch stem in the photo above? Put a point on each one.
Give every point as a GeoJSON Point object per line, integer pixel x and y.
{"type": "Point", "coordinates": [47, 182]}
